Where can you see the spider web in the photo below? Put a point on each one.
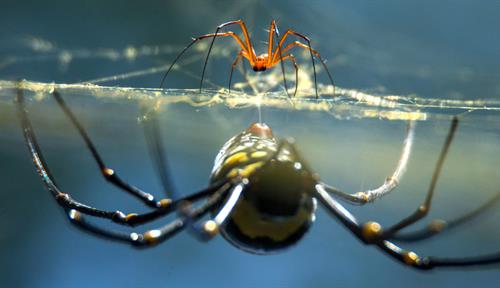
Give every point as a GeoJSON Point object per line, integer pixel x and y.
{"type": "Point", "coordinates": [255, 90]}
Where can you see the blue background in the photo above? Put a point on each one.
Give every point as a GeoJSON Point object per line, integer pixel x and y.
{"type": "Point", "coordinates": [448, 49]}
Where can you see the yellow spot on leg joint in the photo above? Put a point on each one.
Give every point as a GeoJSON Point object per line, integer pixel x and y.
{"type": "Point", "coordinates": [363, 196]}
{"type": "Point", "coordinates": [75, 215]}
{"type": "Point", "coordinates": [411, 258]}
{"type": "Point", "coordinates": [211, 228]}
{"type": "Point", "coordinates": [164, 203]}
{"type": "Point", "coordinates": [371, 230]}
{"type": "Point", "coordinates": [152, 236]}
{"type": "Point", "coordinates": [130, 216]}
{"type": "Point", "coordinates": [108, 171]}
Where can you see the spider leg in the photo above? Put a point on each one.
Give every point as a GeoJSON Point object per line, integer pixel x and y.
{"type": "Point", "coordinates": [232, 70]}
{"type": "Point", "coordinates": [157, 153]}
{"type": "Point", "coordinates": [64, 200]}
{"type": "Point", "coordinates": [208, 229]}
{"type": "Point", "coordinates": [372, 232]}
{"type": "Point", "coordinates": [195, 40]}
{"type": "Point", "coordinates": [272, 30]}
{"type": "Point", "coordinates": [249, 49]}
{"type": "Point", "coordinates": [390, 183]}
{"type": "Point", "coordinates": [270, 62]}
{"type": "Point", "coordinates": [280, 44]}
{"type": "Point", "coordinates": [152, 237]}
{"type": "Point", "coordinates": [312, 52]}
{"type": "Point", "coordinates": [437, 226]}
{"type": "Point", "coordinates": [294, 62]}
{"type": "Point", "coordinates": [108, 173]}
{"type": "Point", "coordinates": [424, 208]}
{"type": "Point", "coordinates": [368, 233]}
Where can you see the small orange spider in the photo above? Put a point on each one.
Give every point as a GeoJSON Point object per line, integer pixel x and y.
{"type": "Point", "coordinates": [263, 61]}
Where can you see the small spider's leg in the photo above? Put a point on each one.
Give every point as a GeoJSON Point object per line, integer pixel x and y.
{"type": "Point", "coordinates": [194, 40]}
{"type": "Point", "coordinates": [64, 200]}
{"type": "Point", "coordinates": [245, 71]}
{"type": "Point", "coordinates": [270, 60]}
{"type": "Point", "coordinates": [157, 153]}
{"type": "Point", "coordinates": [249, 47]}
{"type": "Point", "coordinates": [424, 208]}
{"type": "Point", "coordinates": [291, 32]}
{"type": "Point", "coordinates": [108, 173]}
{"type": "Point", "coordinates": [232, 70]}
{"type": "Point", "coordinates": [315, 53]}
{"type": "Point", "coordinates": [294, 62]}
{"type": "Point", "coordinates": [272, 30]}
{"type": "Point", "coordinates": [252, 57]}
{"type": "Point", "coordinates": [437, 226]}
{"type": "Point", "coordinates": [390, 183]}
{"type": "Point", "coordinates": [152, 237]}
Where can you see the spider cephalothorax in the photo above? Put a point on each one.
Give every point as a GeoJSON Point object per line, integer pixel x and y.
{"type": "Point", "coordinates": [260, 63]}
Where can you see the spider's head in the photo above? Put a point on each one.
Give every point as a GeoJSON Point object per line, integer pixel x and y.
{"type": "Point", "coordinates": [260, 63]}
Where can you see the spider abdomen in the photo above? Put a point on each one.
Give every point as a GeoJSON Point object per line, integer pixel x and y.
{"type": "Point", "coordinates": [276, 208]}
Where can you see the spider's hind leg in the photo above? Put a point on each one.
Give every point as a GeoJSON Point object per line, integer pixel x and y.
{"type": "Point", "coordinates": [372, 232]}
{"type": "Point", "coordinates": [438, 226]}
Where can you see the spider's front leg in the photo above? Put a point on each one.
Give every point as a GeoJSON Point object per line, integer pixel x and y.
{"type": "Point", "coordinates": [213, 35]}
{"type": "Point", "coordinates": [248, 47]}
{"type": "Point", "coordinates": [108, 173]}
{"type": "Point", "coordinates": [165, 206]}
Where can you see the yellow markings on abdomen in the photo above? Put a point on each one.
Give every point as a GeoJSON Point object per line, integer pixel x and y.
{"type": "Point", "coordinates": [258, 154]}
{"type": "Point", "coordinates": [243, 164]}
{"type": "Point", "coordinates": [245, 171]}
{"type": "Point", "coordinates": [240, 157]}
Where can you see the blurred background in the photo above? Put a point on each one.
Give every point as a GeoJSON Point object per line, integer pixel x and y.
{"type": "Point", "coordinates": [446, 49]}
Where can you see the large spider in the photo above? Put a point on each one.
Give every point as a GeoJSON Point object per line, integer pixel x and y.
{"type": "Point", "coordinates": [262, 198]}
{"type": "Point", "coordinates": [263, 61]}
